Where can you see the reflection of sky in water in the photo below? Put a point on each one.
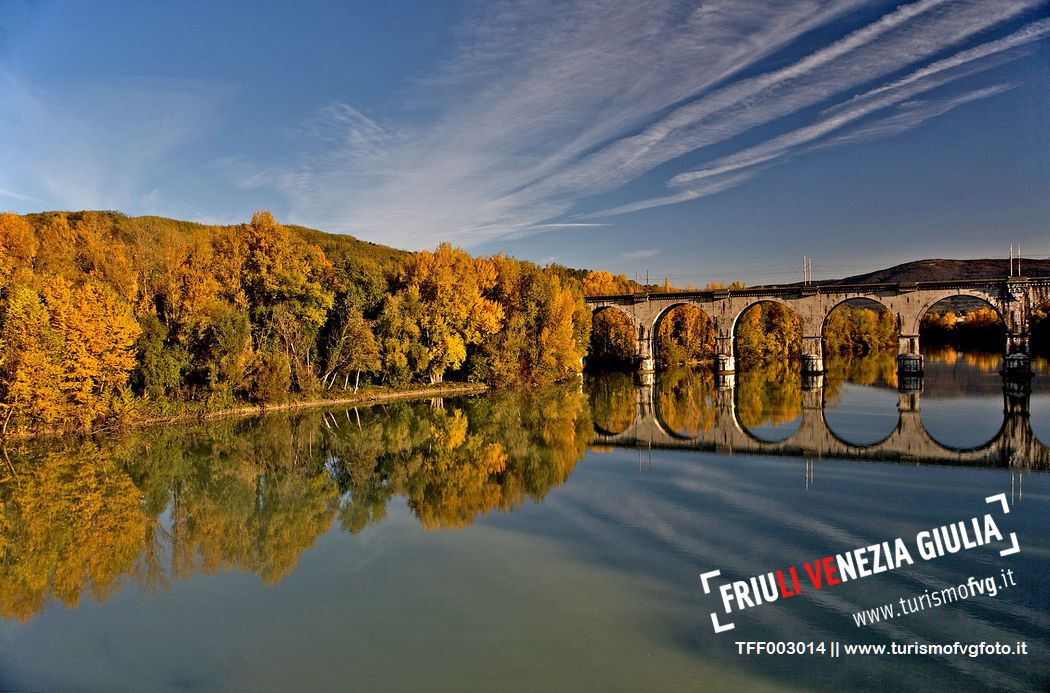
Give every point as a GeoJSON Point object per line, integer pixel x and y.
{"type": "Point", "coordinates": [1040, 402]}
{"type": "Point", "coordinates": [774, 432]}
{"type": "Point", "coordinates": [862, 415]}
{"type": "Point", "coordinates": [594, 588]}
{"type": "Point", "coordinates": [962, 403]}
{"type": "Point", "coordinates": [965, 423]}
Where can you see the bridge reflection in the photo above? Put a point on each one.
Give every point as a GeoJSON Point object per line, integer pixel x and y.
{"type": "Point", "coordinates": [720, 414]}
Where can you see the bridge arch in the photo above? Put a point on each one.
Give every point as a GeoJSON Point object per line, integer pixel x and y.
{"type": "Point", "coordinates": [910, 322]}
{"type": "Point", "coordinates": [857, 302]}
{"type": "Point", "coordinates": [1038, 327]}
{"type": "Point", "coordinates": [794, 335]}
{"type": "Point", "coordinates": [863, 302]}
{"type": "Point", "coordinates": [986, 327]}
{"type": "Point", "coordinates": [614, 337]}
{"type": "Point", "coordinates": [707, 325]}
{"type": "Point", "coordinates": [613, 401]}
{"type": "Point", "coordinates": [980, 447]}
{"type": "Point", "coordinates": [858, 446]}
{"type": "Point", "coordinates": [612, 306]}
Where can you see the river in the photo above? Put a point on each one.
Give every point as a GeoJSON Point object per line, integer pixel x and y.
{"type": "Point", "coordinates": [545, 539]}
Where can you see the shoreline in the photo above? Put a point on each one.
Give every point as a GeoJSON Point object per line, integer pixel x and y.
{"type": "Point", "coordinates": [360, 399]}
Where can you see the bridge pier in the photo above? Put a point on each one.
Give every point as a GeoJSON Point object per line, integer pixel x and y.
{"type": "Point", "coordinates": [1021, 449]}
{"type": "Point", "coordinates": [725, 362]}
{"type": "Point", "coordinates": [1017, 362]}
{"type": "Point", "coordinates": [909, 400]}
{"type": "Point", "coordinates": [812, 355]}
{"type": "Point", "coordinates": [909, 360]}
{"type": "Point", "coordinates": [812, 382]}
{"type": "Point", "coordinates": [725, 381]}
{"type": "Point", "coordinates": [646, 363]}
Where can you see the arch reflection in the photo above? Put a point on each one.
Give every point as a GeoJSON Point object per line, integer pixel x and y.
{"type": "Point", "coordinates": [769, 401]}
{"type": "Point", "coordinates": [719, 425]}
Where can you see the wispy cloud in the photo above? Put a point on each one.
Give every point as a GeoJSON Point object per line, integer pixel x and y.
{"type": "Point", "coordinates": [549, 103]}
{"type": "Point", "coordinates": [714, 177]}
{"type": "Point", "coordinates": [12, 195]}
{"type": "Point", "coordinates": [98, 145]}
{"type": "Point", "coordinates": [640, 254]}
{"type": "Point", "coordinates": [568, 225]}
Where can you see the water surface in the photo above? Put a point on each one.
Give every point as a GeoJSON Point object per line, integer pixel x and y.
{"type": "Point", "coordinates": [503, 542]}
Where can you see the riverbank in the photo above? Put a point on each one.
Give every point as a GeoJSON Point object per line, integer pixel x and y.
{"type": "Point", "coordinates": [372, 395]}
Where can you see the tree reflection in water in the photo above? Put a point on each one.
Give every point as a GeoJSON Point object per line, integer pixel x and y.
{"type": "Point", "coordinates": [612, 400]}
{"type": "Point", "coordinates": [160, 504]}
{"type": "Point", "coordinates": [769, 393]}
{"type": "Point", "coordinates": [685, 400]}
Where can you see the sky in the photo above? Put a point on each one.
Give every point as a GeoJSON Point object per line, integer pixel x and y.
{"type": "Point", "coordinates": [694, 141]}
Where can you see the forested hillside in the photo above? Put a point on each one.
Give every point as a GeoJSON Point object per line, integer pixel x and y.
{"type": "Point", "coordinates": [105, 317]}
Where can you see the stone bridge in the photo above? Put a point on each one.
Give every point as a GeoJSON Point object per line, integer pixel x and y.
{"type": "Point", "coordinates": [1015, 300]}
{"type": "Point", "coordinates": [1014, 446]}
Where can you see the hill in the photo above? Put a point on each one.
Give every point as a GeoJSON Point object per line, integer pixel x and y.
{"type": "Point", "coordinates": [941, 270]}
{"type": "Point", "coordinates": [333, 244]}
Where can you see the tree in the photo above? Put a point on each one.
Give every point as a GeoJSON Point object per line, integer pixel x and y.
{"type": "Point", "coordinates": [685, 335]}
{"type": "Point", "coordinates": [280, 268]}
{"type": "Point", "coordinates": [601, 283]}
{"type": "Point", "coordinates": [768, 331]}
{"type": "Point", "coordinates": [68, 352]}
{"type": "Point", "coordinates": [160, 364]}
{"type": "Point", "coordinates": [31, 365]}
{"type": "Point", "coordinates": [456, 314]}
{"type": "Point", "coordinates": [352, 348]}
{"type": "Point", "coordinates": [612, 338]}
{"type": "Point", "coordinates": [102, 256]}
{"type": "Point", "coordinates": [859, 330]}
{"type": "Point", "coordinates": [18, 245]}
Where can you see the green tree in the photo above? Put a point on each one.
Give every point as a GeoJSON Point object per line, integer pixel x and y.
{"type": "Point", "coordinates": [352, 348]}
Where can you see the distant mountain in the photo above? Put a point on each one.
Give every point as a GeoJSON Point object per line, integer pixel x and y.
{"type": "Point", "coordinates": [940, 270]}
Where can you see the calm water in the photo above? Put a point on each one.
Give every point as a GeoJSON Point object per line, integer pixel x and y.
{"type": "Point", "coordinates": [516, 541]}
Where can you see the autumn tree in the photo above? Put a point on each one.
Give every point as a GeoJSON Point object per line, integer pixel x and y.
{"type": "Point", "coordinates": [767, 332]}
{"type": "Point", "coordinates": [31, 361]}
{"type": "Point", "coordinates": [68, 352]}
{"type": "Point", "coordinates": [455, 312]}
{"type": "Point", "coordinates": [685, 335]}
{"type": "Point", "coordinates": [612, 339]}
{"type": "Point", "coordinates": [18, 245]}
{"type": "Point", "coordinates": [601, 283]}
{"type": "Point", "coordinates": [859, 330]}
{"type": "Point", "coordinates": [351, 348]}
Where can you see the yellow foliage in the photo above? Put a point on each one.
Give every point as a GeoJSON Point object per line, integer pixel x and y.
{"type": "Point", "coordinates": [71, 522]}
{"type": "Point", "coordinates": [601, 283]}
{"type": "Point", "coordinates": [18, 245]}
{"type": "Point", "coordinates": [69, 351]}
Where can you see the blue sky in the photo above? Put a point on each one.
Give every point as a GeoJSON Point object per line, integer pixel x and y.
{"type": "Point", "coordinates": [702, 141]}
